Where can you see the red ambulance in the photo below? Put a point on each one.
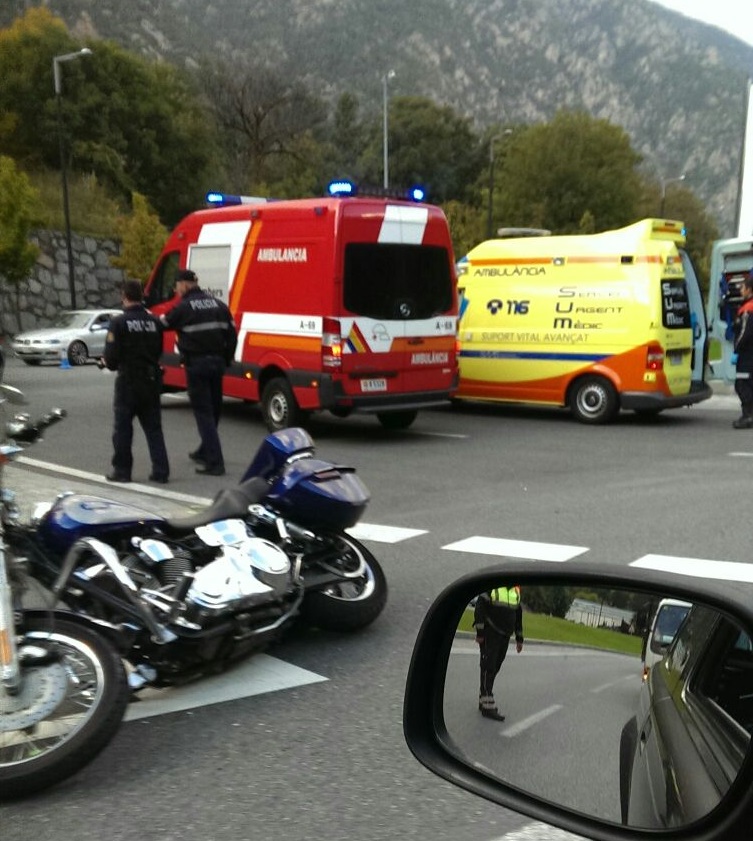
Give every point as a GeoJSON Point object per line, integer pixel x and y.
{"type": "Point", "coordinates": [346, 304]}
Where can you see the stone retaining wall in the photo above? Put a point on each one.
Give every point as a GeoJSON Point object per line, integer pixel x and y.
{"type": "Point", "coordinates": [46, 292]}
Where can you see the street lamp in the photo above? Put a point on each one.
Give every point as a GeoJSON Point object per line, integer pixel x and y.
{"type": "Point", "coordinates": [489, 228]}
{"type": "Point", "coordinates": [664, 183]}
{"type": "Point", "coordinates": [390, 74]}
{"type": "Point", "coordinates": [56, 62]}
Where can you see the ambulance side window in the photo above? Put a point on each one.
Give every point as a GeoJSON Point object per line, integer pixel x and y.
{"type": "Point", "coordinates": [162, 287]}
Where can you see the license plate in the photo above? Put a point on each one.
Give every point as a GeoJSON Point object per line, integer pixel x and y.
{"type": "Point", "coordinates": [374, 385]}
{"type": "Point", "coordinates": [675, 357]}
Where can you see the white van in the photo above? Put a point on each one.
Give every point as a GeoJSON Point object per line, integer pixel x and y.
{"type": "Point", "coordinates": [665, 624]}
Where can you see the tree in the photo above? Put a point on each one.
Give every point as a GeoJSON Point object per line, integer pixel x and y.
{"type": "Point", "coordinates": [466, 226]}
{"type": "Point", "coordinates": [552, 601]}
{"type": "Point", "coordinates": [17, 213]}
{"type": "Point", "coordinates": [138, 125]}
{"type": "Point", "coordinates": [142, 236]}
{"type": "Point", "coordinates": [266, 122]}
{"type": "Point", "coordinates": [682, 204]}
{"type": "Point", "coordinates": [570, 175]}
{"type": "Point", "coordinates": [429, 145]}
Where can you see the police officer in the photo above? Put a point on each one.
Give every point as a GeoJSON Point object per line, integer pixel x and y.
{"type": "Point", "coordinates": [743, 355]}
{"type": "Point", "coordinates": [133, 349]}
{"type": "Point", "coordinates": [206, 340]}
{"type": "Point", "coordinates": [497, 616]}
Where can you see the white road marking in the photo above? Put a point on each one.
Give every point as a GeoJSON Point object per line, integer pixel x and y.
{"type": "Point", "coordinates": [259, 675]}
{"type": "Point", "coordinates": [613, 683]}
{"type": "Point", "coordinates": [440, 434]}
{"type": "Point", "coordinates": [741, 455]}
{"type": "Point", "coordinates": [697, 567]}
{"type": "Point", "coordinates": [517, 548]}
{"type": "Point", "coordinates": [521, 726]}
{"type": "Point", "coordinates": [539, 832]}
{"type": "Point", "coordinates": [99, 479]}
{"type": "Point", "coordinates": [383, 534]}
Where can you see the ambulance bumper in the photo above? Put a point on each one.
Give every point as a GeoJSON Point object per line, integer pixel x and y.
{"type": "Point", "coordinates": [333, 397]}
{"type": "Point", "coordinates": [651, 401]}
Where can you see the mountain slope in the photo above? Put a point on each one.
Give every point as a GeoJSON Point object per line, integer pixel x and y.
{"type": "Point", "coordinates": [675, 85]}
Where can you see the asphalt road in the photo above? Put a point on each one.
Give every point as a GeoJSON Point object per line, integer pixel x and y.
{"type": "Point", "coordinates": [460, 490]}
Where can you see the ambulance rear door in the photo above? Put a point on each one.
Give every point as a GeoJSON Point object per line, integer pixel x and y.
{"type": "Point", "coordinates": [697, 321]}
{"type": "Point", "coordinates": [731, 261]}
{"type": "Point", "coordinates": [399, 298]}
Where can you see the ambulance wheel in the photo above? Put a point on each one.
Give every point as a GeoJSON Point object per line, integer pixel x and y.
{"type": "Point", "coordinates": [593, 400]}
{"type": "Point", "coordinates": [279, 407]}
{"type": "Point", "coordinates": [397, 420]}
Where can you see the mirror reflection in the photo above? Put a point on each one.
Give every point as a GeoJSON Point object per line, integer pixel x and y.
{"type": "Point", "coordinates": [631, 707]}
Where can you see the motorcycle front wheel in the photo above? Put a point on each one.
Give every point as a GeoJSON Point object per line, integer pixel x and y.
{"type": "Point", "coordinates": [353, 602]}
{"type": "Point", "coordinates": [72, 699]}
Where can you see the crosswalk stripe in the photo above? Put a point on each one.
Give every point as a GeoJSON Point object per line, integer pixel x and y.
{"type": "Point", "coordinates": [527, 549]}
{"type": "Point", "coordinates": [256, 676]}
{"type": "Point", "coordinates": [697, 567]}
{"type": "Point", "coordinates": [383, 534]}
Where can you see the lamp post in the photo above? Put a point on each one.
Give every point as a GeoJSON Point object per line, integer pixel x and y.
{"type": "Point", "coordinates": [664, 183]}
{"type": "Point", "coordinates": [390, 74]}
{"type": "Point", "coordinates": [489, 228]}
{"type": "Point", "coordinates": [56, 62]}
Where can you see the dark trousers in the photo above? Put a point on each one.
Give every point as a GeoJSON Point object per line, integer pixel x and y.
{"type": "Point", "coordinates": [204, 379]}
{"type": "Point", "coordinates": [744, 389]}
{"type": "Point", "coordinates": [493, 650]}
{"type": "Point", "coordinates": [138, 398]}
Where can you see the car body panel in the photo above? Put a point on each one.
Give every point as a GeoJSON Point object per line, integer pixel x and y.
{"type": "Point", "coordinates": [51, 343]}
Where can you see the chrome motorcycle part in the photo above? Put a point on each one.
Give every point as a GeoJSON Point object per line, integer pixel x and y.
{"type": "Point", "coordinates": [69, 706]}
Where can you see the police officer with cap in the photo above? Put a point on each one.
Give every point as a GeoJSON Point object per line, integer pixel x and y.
{"type": "Point", "coordinates": [133, 349]}
{"type": "Point", "coordinates": [207, 339]}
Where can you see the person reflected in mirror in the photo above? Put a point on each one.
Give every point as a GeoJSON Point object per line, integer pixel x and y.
{"type": "Point", "coordinates": [207, 339]}
{"type": "Point", "coordinates": [133, 349]}
{"type": "Point", "coordinates": [498, 615]}
{"type": "Point", "coordinates": [743, 355]}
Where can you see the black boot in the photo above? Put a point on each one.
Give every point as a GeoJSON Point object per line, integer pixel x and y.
{"type": "Point", "coordinates": [745, 421]}
{"type": "Point", "coordinates": [488, 708]}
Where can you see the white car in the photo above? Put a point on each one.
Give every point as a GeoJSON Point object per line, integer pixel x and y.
{"type": "Point", "coordinates": [75, 335]}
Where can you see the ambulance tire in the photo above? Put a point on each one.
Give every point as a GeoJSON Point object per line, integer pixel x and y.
{"type": "Point", "coordinates": [279, 407]}
{"type": "Point", "coordinates": [593, 400]}
{"type": "Point", "coordinates": [397, 420]}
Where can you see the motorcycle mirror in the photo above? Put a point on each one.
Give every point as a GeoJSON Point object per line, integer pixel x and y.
{"type": "Point", "coordinates": [586, 744]}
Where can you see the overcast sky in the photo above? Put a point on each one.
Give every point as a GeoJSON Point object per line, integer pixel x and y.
{"type": "Point", "coordinates": [732, 15]}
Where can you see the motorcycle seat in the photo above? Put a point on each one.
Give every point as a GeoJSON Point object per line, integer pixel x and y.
{"type": "Point", "coordinates": [228, 504]}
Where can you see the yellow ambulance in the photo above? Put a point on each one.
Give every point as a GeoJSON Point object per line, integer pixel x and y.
{"type": "Point", "coordinates": [595, 323]}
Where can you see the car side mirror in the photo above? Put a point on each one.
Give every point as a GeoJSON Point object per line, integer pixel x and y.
{"type": "Point", "coordinates": [586, 744]}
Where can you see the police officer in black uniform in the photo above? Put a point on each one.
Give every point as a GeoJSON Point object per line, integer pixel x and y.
{"type": "Point", "coordinates": [133, 349]}
{"type": "Point", "coordinates": [206, 340]}
{"type": "Point", "coordinates": [498, 615]}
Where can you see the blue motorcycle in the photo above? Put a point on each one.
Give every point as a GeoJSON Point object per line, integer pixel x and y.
{"type": "Point", "coordinates": [187, 596]}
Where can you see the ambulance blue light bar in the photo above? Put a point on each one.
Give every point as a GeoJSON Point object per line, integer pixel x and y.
{"type": "Point", "coordinates": [214, 199]}
{"type": "Point", "coordinates": [343, 187]}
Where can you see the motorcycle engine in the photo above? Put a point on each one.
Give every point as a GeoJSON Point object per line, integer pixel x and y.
{"type": "Point", "coordinates": [244, 575]}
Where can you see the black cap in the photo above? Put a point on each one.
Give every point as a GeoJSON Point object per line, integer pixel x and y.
{"type": "Point", "coordinates": [187, 275]}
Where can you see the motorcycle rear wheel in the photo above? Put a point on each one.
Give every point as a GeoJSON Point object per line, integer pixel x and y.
{"type": "Point", "coordinates": [352, 603]}
{"type": "Point", "coordinates": [68, 708]}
